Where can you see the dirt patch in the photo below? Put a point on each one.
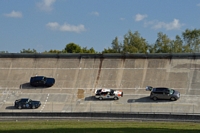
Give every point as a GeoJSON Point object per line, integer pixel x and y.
{"type": "Point", "coordinates": [80, 94]}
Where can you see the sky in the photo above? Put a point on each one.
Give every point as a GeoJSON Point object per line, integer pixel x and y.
{"type": "Point", "coordinates": [46, 25]}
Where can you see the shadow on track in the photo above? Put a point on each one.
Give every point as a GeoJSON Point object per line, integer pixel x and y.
{"type": "Point", "coordinates": [11, 108]}
{"type": "Point", "coordinates": [146, 100]}
{"type": "Point", "coordinates": [92, 98]}
{"type": "Point", "coordinates": [28, 86]}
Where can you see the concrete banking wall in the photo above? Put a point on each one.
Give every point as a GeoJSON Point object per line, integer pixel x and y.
{"type": "Point", "coordinates": [89, 71]}
{"type": "Point", "coordinates": [78, 75]}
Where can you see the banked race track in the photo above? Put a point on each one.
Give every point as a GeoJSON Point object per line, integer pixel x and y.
{"type": "Point", "coordinates": [79, 75]}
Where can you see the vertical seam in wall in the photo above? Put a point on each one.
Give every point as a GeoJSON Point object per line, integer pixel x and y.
{"type": "Point", "coordinates": [144, 72]}
{"type": "Point", "coordinates": [99, 72]}
{"type": "Point", "coordinates": [121, 71]}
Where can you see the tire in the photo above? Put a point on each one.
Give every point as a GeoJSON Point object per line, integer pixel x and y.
{"type": "Point", "coordinates": [172, 99]}
{"type": "Point", "coordinates": [100, 98]}
{"type": "Point", "coordinates": [19, 107]}
{"type": "Point", "coordinates": [154, 98]}
{"type": "Point", "coordinates": [115, 98]}
{"type": "Point", "coordinates": [33, 106]}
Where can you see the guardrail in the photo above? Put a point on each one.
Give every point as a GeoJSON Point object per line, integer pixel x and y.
{"type": "Point", "coordinates": [113, 55]}
{"type": "Point", "coordinates": [100, 116]}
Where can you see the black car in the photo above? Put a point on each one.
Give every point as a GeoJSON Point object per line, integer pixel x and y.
{"type": "Point", "coordinates": [42, 81]}
{"type": "Point", "coordinates": [26, 103]}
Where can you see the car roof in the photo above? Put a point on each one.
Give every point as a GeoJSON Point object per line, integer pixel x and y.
{"type": "Point", "coordinates": [23, 99]}
{"type": "Point", "coordinates": [105, 90]}
{"type": "Point", "coordinates": [38, 77]}
{"type": "Point", "coordinates": [159, 88]}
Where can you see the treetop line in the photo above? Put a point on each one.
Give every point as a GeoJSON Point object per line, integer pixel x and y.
{"type": "Point", "coordinates": [189, 42]}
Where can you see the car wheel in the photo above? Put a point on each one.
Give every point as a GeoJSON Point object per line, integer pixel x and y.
{"type": "Point", "coordinates": [172, 99]}
{"type": "Point", "coordinates": [154, 98]}
{"type": "Point", "coordinates": [19, 107]}
{"type": "Point", "coordinates": [33, 106]}
{"type": "Point", "coordinates": [115, 98]}
{"type": "Point", "coordinates": [100, 98]}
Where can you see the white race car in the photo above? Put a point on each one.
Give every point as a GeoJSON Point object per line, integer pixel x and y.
{"type": "Point", "coordinates": [105, 93]}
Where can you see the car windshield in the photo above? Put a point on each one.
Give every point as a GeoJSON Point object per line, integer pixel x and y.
{"type": "Point", "coordinates": [44, 78]}
{"type": "Point", "coordinates": [171, 91]}
{"type": "Point", "coordinates": [29, 100]}
{"type": "Point", "coordinates": [111, 91]}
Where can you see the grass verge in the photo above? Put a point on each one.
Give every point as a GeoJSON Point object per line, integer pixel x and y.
{"type": "Point", "coordinates": [86, 126]}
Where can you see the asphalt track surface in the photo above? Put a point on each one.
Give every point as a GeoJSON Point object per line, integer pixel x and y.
{"type": "Point", "coordinates": [77, 79]}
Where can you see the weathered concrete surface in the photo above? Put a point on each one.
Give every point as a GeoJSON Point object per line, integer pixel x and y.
{"type": "Point", "coordinates": [77, 79]}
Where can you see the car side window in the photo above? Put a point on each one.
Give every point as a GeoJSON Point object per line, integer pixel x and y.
{"type": "Point", "coordinates": [158, 92]}
{"type": "Point", "coordinates": [166, 90]}
{"type": "Point", "coordinates": [104, 93]}
{"type": "Point", "coordinates": [44, 79]}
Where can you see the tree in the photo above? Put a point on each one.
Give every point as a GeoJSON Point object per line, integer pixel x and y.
{"type": "Point", "coordinates": [53, 51]}
{"type": "Point", "coordinates": [109, 50]}
{"type": "Point", "coordinates": [116, 47]}
{"type": "Point", "coordinates": [133, 43]}
{"type": "Point", "coordinates": [177, 45]}
{"type": "Point", "coordinates": [91, 50]}
{"type": "Point", "coordinates": [192, 40]}
{"type": "Point", "coordinates": [72, 48]}
{"type": "Point", "coordinates": [3, 52]}
{"type": "Point", "coordinates": [151, 48]}
{"type": "Point", "coordinates": [28, 51]}
{"type": "Point", "coordinates": [162, 44]}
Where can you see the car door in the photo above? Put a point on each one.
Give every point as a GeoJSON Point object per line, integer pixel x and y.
{"type": "Point", "coordinates": [40, 83]}
{"type": "Point", "coordinates": [104, 95]}
{"type": "Point", "coordinates": [166, 94]}
{"type": "Point", "coordinates": [107, 95]}
{"type": "Point", "coordinates": [27, 104]}
{"type": "Point", "coordinates": [112, 95]}
{"type": "Point", "coordinates": [163, 93]}
{"type": "Point", "coordinates": [36, 82]}
{"type": "Point", "coordinates": [158, 93]}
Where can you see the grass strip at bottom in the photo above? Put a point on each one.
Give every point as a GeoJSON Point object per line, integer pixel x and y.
{"type": "Point", "coordinates": [92, 126]}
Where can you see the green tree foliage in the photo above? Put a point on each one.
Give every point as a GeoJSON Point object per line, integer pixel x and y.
{"type": "Point", "coordinates": [90, 51]}
{"type": "Point", "coordinates": [133, 43]}
{"type": "Point", "coordinates": [28, 51]}
{"type": "Point", "coordinates": [75, 48]}
{"type": "Point", "coordinates": [163, 44]}
{"type": "Point", "coordinates": [177, 45]}
{"type": "Point", "coordinates": [72, 48]}
{"type": "Point", "coordinates": [115, 48]}
{"type": "Point", "coordinates": [109, 50]}
{"type": "Point", "coordinates": [151, 48]}
{"type": "Point", "coordinates": [192, 40]}
{"type": "Point", "coordinates": [2, 52]}
{"type": "Point", "coordinates": [53, 51]}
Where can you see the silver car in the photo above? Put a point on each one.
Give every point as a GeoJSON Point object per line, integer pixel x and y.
{"type": "Point", "coordinates": [163, 93]}
{"type": "Point", "coordinates": [108, 94]}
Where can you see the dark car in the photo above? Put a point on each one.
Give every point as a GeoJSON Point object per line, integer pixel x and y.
{"type": "Point", "coordinates": [163, 93]}
{"type": "Point", "coordinates": [26, 103]}
{"type": "Point", "coordinates": [42, 81]}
